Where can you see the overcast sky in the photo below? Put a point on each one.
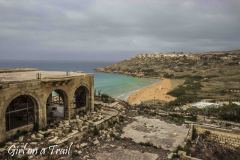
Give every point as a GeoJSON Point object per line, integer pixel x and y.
{"type": "Point", "coordinates": [115, 29]}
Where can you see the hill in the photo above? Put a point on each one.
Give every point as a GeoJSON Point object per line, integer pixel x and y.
{"type": "Point", "coordinates": [214, 75]}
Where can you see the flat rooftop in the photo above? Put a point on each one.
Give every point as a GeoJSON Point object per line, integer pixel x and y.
{"type": "Point", "coordinates": [26, 75]}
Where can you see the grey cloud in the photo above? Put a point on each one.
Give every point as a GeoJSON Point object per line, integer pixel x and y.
{"type": "Point", "coordinates": [83, 29]}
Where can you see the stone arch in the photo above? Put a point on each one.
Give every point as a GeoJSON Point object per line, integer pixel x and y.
{"type": "Point", "coordinates": [21, 110]}
{"type": "Point", "coordinates": [81, 97]}
{"type": "Point", "coordinates": [57, 105]}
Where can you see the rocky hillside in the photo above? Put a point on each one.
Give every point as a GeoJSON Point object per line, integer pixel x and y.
{"type": "Point", "coordinates": [216, 73]}
{"type": "Point", "coordinates": [176, 64]}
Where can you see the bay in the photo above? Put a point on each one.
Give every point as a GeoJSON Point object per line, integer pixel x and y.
{"type": "Point", "coordinates": [115, 85]}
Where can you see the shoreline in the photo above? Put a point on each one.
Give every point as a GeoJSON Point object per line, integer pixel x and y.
{"type": "Point", "coordinates": [125, 73]}
{"type": "Point", "coordinates": [157, 91]}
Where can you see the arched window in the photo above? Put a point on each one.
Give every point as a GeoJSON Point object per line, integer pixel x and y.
{"type": "Point", "coordinates": [20, 112]}
{"type": "Point", "coordinates": [81, 95]}
{"type": "Point", "coordinates": [56, 104]}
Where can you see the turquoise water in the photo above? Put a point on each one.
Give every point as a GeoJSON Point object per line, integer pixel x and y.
{"type": "Point", "coordinates": [119, 86]}
{"type": "Point", "coordinates": [115, 85]}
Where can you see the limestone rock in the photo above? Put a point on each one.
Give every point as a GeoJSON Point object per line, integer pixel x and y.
{"type": "Point", "coordinates": [39, 135]}
{"type": "Point", "coordinates": [20, 139]}
{"type": "Point", "coordinates": [53, 140]}
{"type": "Point", "coordinates": [84, 128]}
{"type": "Point", "coordinates": [96, 142]}
{"type": "Point", "coordinates": [83, 145]}
{"type": "Point", "coordinates": [77, 146]}
{"type": "Point", "coordinates": [33, 136]}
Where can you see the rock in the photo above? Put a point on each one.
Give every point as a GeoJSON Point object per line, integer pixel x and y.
{"type": "Point", "coordinates": [75, 127]}
{"type": "Point", "coordinates": [75, 153]}
{"type": "Point", "coordinates": [33, 143]}
{"type": "Point", "coordinates": [102, 137]}
{"type": "Point", "coordinates": [108, 136]}
{"type": "Point", "coordinates": [77, 116]}
{"type": "Point", "coordinates": [21, 156]}
{"type": "Point", "coordinates": [96, 142]}
{"type": "Point", "coordinates": [39, 135]}
{"type": "Point", "coordinates": [2, 150]}
{"type": "Point", "coordinates": [67, 125]}
{"type": "Point", "coordinates": [66, 122]}
{"type": "Point", "coordinates": [60, 133]}
{"type": "Point", "coordinates": [170, 156]}
{"type": "Point", "coordinates": [111, 145]}
{"type": "Point", "coordinates": [84, 128]}
{"type": "Point", "coordinates": [83, 145]}
{"type": "Point", "coordinates": [20, 139]}
{"type": "Point", "coordinates": [38, 139]}
{"type": "Point", "coordinates": [87, 123]}
{"type": "Point", "coordinates": [66, 130]}
{"type": "Point", "coordinates": [79, 121]}
{"type": "Point", "coordinates": [116, 134]}
{"type": "Point", "coordinates": [9, 143]}
{"type": "Point", "coordinates": [181, 153]}
{"type": "Point", "coordinates": [33, 136]}
{"type": "Point", "coordinates": [86, 157]}
{"type": "Point", "coordinates": [53, 140]}
{"type": "Point", "coordinates": [77, 146]}
{"type": "Point", "coordinates": [41, 132]}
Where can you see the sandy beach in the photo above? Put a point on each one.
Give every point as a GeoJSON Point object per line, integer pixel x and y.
{"type": "Point", "coordinates": [156, 91]}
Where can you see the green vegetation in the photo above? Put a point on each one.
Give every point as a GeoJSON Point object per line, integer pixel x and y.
{"type": "Point", "coordinates": [103, 97]}
{"type": "Point", "coordinates": [185, 93]}
{"type": "Point", "coordinates": [230, 112]}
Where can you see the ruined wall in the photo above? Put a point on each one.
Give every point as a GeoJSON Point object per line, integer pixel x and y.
{"type": "Point", "coordinates": [228, 138]}
{"type": "Point", "coordinates": [39, 90]}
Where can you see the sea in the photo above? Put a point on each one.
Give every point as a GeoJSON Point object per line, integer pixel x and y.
{"type": "Point", "coordinates": [115, 85]}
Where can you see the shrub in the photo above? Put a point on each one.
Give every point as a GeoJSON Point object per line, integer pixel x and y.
{"type": "Point", "coordinates": [230, 112]}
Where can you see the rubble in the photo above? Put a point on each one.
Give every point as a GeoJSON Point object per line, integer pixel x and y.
{"type": "Point", "coordinates": [108, 134]}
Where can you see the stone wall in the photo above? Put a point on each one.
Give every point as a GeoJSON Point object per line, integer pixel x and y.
{"type": "Point", "coordinates": [228, 138]}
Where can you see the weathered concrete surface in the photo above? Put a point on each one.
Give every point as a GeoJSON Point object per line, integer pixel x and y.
{"type": "Point", "coordinates": [123, 154]}
{"type": "Point", "coordinates": [156, 132]}
{"type": "Point", "coordinates": [31, 75]}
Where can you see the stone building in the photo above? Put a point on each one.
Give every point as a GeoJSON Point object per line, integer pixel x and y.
{"type": "Point", "coordinates": [31, 99]}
